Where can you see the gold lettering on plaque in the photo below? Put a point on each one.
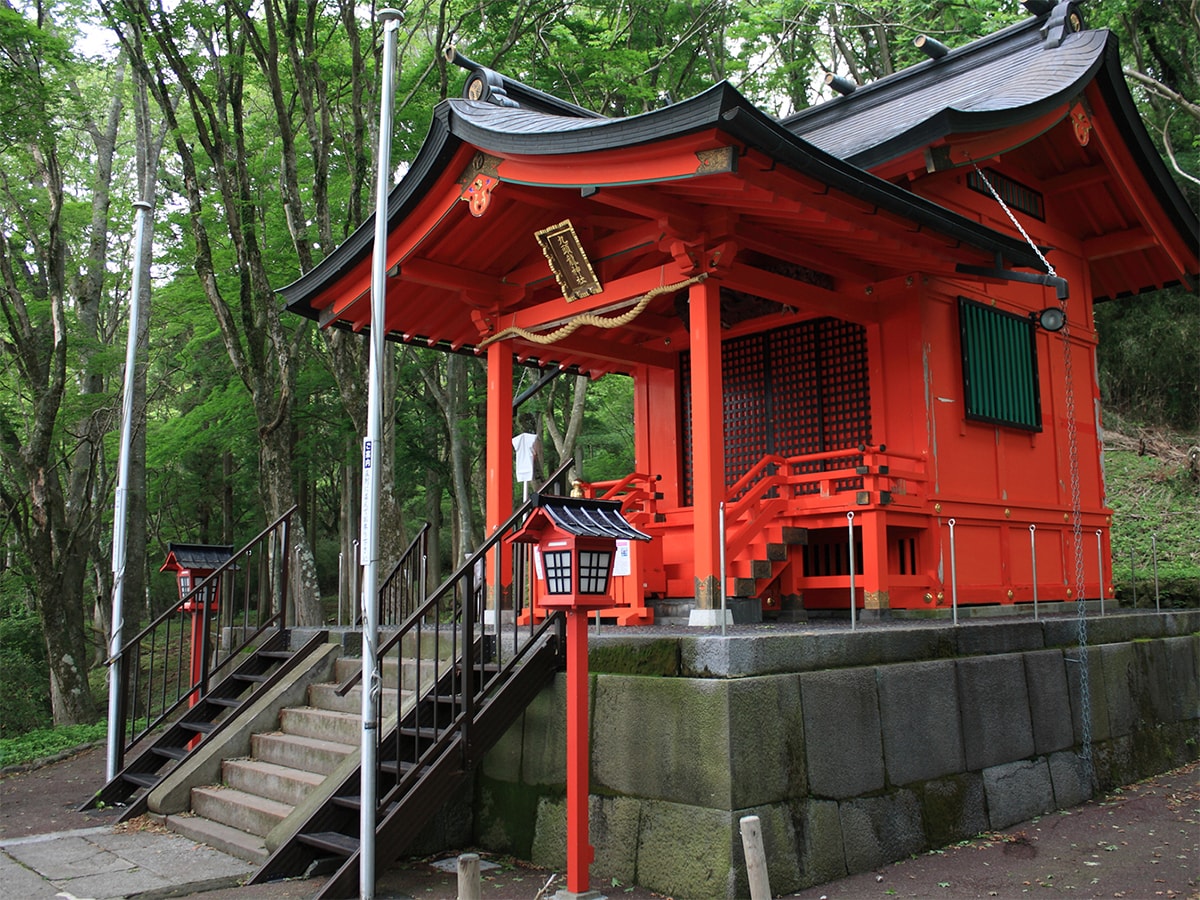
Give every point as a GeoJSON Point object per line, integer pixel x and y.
{"type": "Point", "coordinates": [568, 261]}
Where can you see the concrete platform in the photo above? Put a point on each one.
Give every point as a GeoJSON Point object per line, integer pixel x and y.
{"type": "Point", "coordinates": [101, 863]}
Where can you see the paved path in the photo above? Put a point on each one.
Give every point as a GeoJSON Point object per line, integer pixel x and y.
{"type": "Point", "coordinates": [1139, 843]}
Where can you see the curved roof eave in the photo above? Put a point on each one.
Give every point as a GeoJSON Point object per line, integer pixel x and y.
{"type": "Point", "coordinates": [518, 131]}
{"type": "Point", "coordinates": [1008, 79]}
{"type": "Point", "coordinates": [1137, 139]}
{"type": "Point", "coordinates": [438, 148]}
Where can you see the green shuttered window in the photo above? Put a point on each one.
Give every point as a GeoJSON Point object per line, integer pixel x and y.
{"type": "Point", "coordinates": [999, 357]}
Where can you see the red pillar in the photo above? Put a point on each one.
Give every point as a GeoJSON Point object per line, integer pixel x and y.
{"type": "Point", "coordinates": [708, 439]}
{"type": "Point", "coordinates": [499, 464]}
{"type": "Point", "coordinates": [875, 560]}
{"type": "Point", "coordinates": [579, 850]}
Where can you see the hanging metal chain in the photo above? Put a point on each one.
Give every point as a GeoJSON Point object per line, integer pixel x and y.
{"type": "Point", "coordinates": [1085, 693]}
{"type": "Point", "coordinates": [1016, 224]}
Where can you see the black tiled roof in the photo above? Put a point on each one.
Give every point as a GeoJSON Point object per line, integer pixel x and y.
{"type": "Point", "coordinates": [589, 518]}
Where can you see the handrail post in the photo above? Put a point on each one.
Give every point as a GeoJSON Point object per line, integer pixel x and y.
{"type": "Point", "coordinates": [853, 602]}
{"type": "Point", "coordinates": [286, 540]}
{"type": "Point", "coordinates": [953, 575]}
{"type": "Point", "coordinates": [721, 529]}
{"type": "Point", "coordinates": [468, 656]}
{"type": "Point", "coordinates": [1033, 563]}
{"type": "Point", "coordinates": [1100, 566]}
{"type": "Point", "coordinates": [1154, 554]}
{"type": "Point", "coordinates": [206, 634]}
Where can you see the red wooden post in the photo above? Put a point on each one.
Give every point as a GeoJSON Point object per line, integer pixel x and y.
{"type": "Point", "coordinates": [708, 439]}
{"type": "Point", "coordinates": [875, 560]}
{"type": "Point", "coordinates": [580, 852]}
{"type": "Point", "coordinates": [499, 498]}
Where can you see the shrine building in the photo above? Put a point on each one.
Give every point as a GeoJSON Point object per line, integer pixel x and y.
{"type": "Point", "coordinates": [873, 317]}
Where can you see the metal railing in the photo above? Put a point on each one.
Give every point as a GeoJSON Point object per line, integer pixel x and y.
{"type": "Point", "coordinates": [235, 608]}
{"type": "Point", "coordinates": [405, 586]}
{"type": "Point", "coordinates": [445, 655]}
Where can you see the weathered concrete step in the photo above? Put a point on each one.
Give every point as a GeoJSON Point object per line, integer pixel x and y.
{"type": "Point", "coordinates": [344, 668]}
{"type": "Point", "coordinates": [237, 809]}
{"type": "Point", "coordinates": [325, 696]}
{"type": "Point", "coordinates": [249, 847]}
{"type": "Point", "coordinates": [296, 752]}
{"type": "Point", "coordinates": [324, 724]}
{"type": "Point", "coordinates": [275, 782]}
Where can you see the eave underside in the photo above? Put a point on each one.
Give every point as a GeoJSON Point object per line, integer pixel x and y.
{"type": "Point", "coordinates": [781, 243]}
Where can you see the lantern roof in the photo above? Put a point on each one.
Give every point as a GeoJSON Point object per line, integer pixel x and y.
{"type": "Point", "coordinates": [196, 556]}
{"type": "Point", "coordinates": [584, 517]}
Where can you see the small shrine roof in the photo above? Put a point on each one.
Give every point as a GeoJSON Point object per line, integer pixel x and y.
{"type": "Point", "coordinates": [196, 556]}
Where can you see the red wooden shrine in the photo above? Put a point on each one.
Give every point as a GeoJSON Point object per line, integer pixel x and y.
{"type": "Point", "coordinates": [828, 314]}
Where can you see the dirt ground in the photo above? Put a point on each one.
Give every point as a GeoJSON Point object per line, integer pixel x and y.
{"type": "Point", "coordinates": [1140, 843]}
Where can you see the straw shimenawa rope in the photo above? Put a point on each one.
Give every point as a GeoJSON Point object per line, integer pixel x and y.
{"type": "Point", "coordinates": [592, 319]}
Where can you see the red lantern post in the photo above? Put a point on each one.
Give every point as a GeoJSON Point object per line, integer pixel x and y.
{"type": "Point", "coordinates": [576, 542]}
{"type": "Point", "coordinates": [192, 563]}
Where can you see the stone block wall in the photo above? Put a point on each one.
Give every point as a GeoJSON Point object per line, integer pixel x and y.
{"type": "Point", "coordinates": [854, 749]}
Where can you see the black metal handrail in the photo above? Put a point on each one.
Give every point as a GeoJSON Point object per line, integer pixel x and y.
{"type": "Point", "coordinates": [405, 585]}
{"type": "Point", "coordinates": [442, 654]}
{"type": "Point", "coordinates": [245, 598]}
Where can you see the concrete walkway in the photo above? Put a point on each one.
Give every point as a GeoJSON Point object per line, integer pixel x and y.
{"type": "Point", "coordinates": [102, 862]}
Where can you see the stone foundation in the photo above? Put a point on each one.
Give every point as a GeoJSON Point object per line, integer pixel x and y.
{"type": "Point", "coordinates": [854, 748]}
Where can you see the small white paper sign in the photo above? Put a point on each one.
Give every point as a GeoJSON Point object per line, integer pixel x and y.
{"type": "Point", "coordinates": [621, 564]}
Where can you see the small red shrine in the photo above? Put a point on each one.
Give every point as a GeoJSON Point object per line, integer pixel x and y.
{"type": "Point", "coordinates": [839, 312]}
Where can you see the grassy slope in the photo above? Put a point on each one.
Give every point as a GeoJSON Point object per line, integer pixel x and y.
{"type": "Point", "coordinates": [1156, 504]}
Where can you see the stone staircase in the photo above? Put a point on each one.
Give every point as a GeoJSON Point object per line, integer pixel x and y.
{"type": "Point", "coordinates": [285, 766]}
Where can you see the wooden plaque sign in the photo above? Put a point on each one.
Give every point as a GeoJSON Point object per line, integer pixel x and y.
{"type": "Point", "coordinates": [568, 262]}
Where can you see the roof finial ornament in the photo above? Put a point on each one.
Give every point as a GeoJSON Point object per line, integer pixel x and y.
{"type": "Point", "coordinates": [840, 83]}
{"type": "Point", "coordinates": [931, 47]}
{"type": "Point", "coordinates": [1064, 19]}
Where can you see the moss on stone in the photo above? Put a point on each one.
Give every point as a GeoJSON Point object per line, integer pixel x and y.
{"type": "Point", "coordinates": [952, 808]}
{"type": "Point", "coordinates": [655, 657]}
{"type": "Point", "coordinates": [506, 816]}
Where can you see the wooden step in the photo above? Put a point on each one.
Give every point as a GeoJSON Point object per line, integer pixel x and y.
{"type": "Point", "coordinates": [141, 779]}
{"type": "Point", "coordinates": [331, 842]}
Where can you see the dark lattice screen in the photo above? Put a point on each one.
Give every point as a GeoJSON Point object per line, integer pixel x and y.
{"type": "Point", "coordinates": [794, 391]}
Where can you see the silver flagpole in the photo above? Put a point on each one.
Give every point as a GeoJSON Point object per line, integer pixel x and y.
{"type": "Point", "coordinates": [121, 504]}
{"type": "Point", "coordinates": [371, 687]}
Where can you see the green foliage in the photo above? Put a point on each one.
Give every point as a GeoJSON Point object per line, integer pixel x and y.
{"type": "Point", "coordinates": [606, 448]}
{"type": "Point", "coordinates": [1149, 357]}
{"type": "Point", "coordinates": [46, 742]}
{"type": "Point", "coordinates": [24, 675]}
{"type": "Point", "coordinates": [1156, 514]}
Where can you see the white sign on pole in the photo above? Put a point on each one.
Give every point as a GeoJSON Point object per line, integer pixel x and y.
{"type": "Point", "coordinates": [368, 473]}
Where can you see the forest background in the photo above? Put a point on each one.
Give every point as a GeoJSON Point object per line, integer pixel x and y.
{"type": "Point", "coordinates": [249, 125]}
